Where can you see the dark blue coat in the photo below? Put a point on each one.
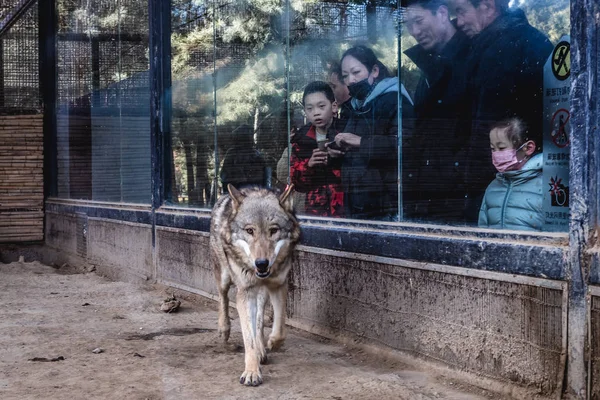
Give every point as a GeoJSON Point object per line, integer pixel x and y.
{"type": "Point", "coordinates": [434, 158]}
{"type": "Point", "coordinates": [370, 173]}
{"type": "Point", "coordinates": [505, 79]}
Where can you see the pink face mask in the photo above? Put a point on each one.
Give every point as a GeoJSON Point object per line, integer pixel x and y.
{"type": "Point", "coordinates": [506, 160]}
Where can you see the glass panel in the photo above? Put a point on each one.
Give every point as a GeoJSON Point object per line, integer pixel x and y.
{"type": "Point", "coordinates": [228, 57]}
{"type": "Point", "coordinates": [103, 101]}
{"type": "Point", "coordinates": [330, 42]}
{"type": "Point", "coordinates": [479, 76]}
{"type": "Point", "coordinates": [239, 82]}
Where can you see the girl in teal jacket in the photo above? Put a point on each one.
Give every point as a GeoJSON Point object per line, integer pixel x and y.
{"type": "Point", "coordinates": [514, 199]}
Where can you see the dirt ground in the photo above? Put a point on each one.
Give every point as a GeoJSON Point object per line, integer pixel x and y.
{"type": "Point", "coordinates": [61, 314]}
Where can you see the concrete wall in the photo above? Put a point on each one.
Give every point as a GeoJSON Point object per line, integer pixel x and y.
{"type": "Point", "coordinates": [117, 249]}
{"type": "Point", "coordinates": [489, 324]}
{"type": "Point", "coordinates": [499, 327]}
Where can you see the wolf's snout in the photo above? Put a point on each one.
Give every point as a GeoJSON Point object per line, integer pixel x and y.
{"type": "Point", "coordinates": [261, 264]}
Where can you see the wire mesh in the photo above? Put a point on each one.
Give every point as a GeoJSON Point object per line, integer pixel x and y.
{"type": "Point", "coordinates": [19, 65]}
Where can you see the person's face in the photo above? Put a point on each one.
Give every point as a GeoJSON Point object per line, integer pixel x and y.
{"type": "Point", "coordinates": [499, 141]}
{"type": "Point", "coordinates": [340, 90]}
{"type": "Point", "coordinates": [471, 20]}
{"type": "Point", "coordinates": [426, 27]}
{"type": "Point", "coordinates": [354, 71]}
{"type": "Point", "coordinates": [319, 110]}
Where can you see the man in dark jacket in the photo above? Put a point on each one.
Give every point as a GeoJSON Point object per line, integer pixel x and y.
{"type": "Point", "coordinates": [505, 77]}
{"type": "Point", "coordinates": [433, 171]}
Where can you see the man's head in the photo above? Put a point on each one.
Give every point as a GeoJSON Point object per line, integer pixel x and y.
{"type": "Point", "coordinates": [319, 104]}
{"type": "Point", "coordinates": [334, 78]}
{"type": "Point", "coordinates": [473, 16]}
{"type": "Point", "coordinates": [428, 21]}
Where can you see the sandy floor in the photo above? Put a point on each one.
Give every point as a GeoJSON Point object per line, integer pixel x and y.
{"type": "Point", "coordinates": [48, 313]}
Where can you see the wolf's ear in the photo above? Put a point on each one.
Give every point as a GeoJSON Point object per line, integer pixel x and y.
{"type": "Point", "coordinates": [235, 194]}
{"type": "Point", "coordinates": [286, 199]}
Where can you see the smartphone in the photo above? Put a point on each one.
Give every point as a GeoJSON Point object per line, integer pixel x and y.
{"type": "Point", "coordinates": [322, 145]}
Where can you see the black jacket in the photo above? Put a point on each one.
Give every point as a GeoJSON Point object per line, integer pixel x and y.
{"type": "Point", "coordinates": [505, 78]}
{"type": "Point", "coordinates": [370, 173]}
{"type": "Point", "coordinates": [434, 158]}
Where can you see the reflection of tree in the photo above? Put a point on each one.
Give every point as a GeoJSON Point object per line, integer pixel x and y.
{"type": "Point", "coordinates": [237, 51]}
{"type": "Point", "coordinates": [552, 18]}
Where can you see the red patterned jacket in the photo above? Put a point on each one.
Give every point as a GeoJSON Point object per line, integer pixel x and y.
{"type": "Point", "coordinates": [322, 184]}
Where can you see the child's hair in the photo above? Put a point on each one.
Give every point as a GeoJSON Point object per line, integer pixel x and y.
{"type": "Point", "coordinates": [335, 69]}
{"type": "Point", "coordinates": [367, 57]}
{"type": "Point", "coordinates": [318, 87]}
{"type": "Point", "coordinates": [516, 132]}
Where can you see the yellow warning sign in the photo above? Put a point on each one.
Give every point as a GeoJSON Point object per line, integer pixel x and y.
{"type": "Point", "coordinates": [561, 61]}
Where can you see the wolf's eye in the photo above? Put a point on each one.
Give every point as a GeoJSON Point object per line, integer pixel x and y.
{"type": "Point", "coordinates": [273, 231]}
{"type": "Point", "coordinates": [250, 231]}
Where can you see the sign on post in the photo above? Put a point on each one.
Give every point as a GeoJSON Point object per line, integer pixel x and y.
{"type": "Point", "coordinates": [557, 131]}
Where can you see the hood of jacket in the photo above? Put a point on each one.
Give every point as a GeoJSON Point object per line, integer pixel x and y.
{"type": "Point", "coordinates": [385, 85]}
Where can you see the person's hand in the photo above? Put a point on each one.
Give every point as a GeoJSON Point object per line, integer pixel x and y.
{"type": "Point", "coordinates": [335, 153]}
{"type": "Point", "coordinates": [318, 158]}
{"type": "Point", "coordinates": [347, 140]}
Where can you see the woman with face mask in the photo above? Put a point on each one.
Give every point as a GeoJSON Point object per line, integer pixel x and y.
{"type": "Point", "coordinates": [514, 199]}
{"type": "Point", "coordinates": [369, 142]}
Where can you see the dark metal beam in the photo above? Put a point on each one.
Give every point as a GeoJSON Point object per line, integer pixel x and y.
{"type": "Point", "coordinates": [160, 98]}
{"type": "Point", "coordinates": [20, 8]}
{"type": "Point", "coordinates": [583, 182]}
{"type": "Point", "coordinates": [102, 37]}
{"type": "Point", "coordinates": [48, 87]}
{"type": "Point", "coordinates": [2, 94]}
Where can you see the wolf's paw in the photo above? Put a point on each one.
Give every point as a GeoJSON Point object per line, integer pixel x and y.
{"type": "Point", "coordinates": [251, 378]}
{"type": "Point", "coordinates": [275, 343]}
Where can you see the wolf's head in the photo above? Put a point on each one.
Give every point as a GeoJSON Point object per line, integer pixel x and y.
{"type": "Point", "coordinates": [263, 228]}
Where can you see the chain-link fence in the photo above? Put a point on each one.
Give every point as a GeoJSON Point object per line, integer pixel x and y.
{"type": "Point", "coordinates": [19, 62]}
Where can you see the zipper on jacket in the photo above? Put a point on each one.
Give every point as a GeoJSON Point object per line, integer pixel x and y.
{"type": "Point", "coordinates": [510, 183]}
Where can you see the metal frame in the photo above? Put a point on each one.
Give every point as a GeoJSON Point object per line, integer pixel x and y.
{"type": "Point", "coordinates": [583, 181]}
{"type": "Point", "coordinates": [49, 88]}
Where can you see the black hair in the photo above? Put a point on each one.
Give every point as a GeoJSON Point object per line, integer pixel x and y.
{"type": "Point", "coordinates": [501, 5]}
{"type": "Point", "coordinates": [517, 132]}
{"type": "Point", "coordinates": [335, 68]}
{"type": "Point", "coordinates": [367, 58]}
{"type": "Point", "coordinates": [319, 87]}
{"type": "Point", "coordinates": [431, 5]}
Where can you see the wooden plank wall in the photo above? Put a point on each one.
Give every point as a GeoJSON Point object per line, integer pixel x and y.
{"type": "Point", "coordinates": [21, 178]}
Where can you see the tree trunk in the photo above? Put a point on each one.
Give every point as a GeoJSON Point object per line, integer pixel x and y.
{"type": "Point", "coordinates": [189, 168]}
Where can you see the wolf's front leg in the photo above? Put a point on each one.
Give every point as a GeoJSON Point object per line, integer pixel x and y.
{"type": "Point", "coordinates": [278, 300]}
{"type": "Point", "coordinates": [261, 301]}
{"type": "Point", "coordinates": [247, 306]}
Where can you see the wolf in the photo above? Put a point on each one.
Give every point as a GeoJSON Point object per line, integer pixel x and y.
{"type": "Point", "coordinates": [253, 233]}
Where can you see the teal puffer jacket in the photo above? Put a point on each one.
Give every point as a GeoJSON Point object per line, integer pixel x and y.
{"type": "Point", "coordinates": [514, 199]}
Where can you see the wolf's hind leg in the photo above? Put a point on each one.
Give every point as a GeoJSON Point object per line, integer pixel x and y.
{"type": "Point", "coordinates": [278, 300]}
{"type": "Point", "coordinates": [224, 323]}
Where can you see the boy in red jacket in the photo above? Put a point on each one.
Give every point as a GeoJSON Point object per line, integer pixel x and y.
{"type": "Point", "coordinates": [313, 171]}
